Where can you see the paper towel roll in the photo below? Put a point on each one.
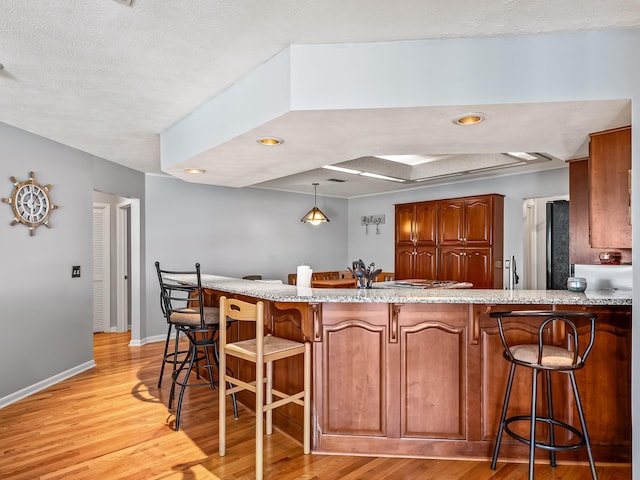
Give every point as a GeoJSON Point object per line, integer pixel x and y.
{"type": "Point", "coordinates": [304, 291]}
{"type": "Point", "coordinates": [304, 276]}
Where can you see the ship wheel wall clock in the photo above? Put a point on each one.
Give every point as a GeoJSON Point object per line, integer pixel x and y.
{"type": "Point", "coordinates": [30, 203]}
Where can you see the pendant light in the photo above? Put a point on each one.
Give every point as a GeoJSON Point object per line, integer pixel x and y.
{"type": "Point", "coordinates": [315, 215]}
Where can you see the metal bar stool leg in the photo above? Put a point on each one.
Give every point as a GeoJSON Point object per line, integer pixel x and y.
{"type": "Point", "coordinates": [583, 424]}
{"type": "Point", "coordinates": [503, 415]}
{"type": "Point", "coordinates": [164, 356]}
{"type": "Point", "coordinates": [532, 437]}
{"type": "Point", "coordinates": [552, 438]}
{"type": "Point", "coordinates": [192, 359]}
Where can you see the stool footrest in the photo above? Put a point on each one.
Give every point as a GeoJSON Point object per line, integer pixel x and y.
{"type": "Point", "coordinates": [549, 421]}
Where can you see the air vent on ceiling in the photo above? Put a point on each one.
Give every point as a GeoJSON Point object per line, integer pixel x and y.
{"type": "Point", "coordinates": [337, 180]}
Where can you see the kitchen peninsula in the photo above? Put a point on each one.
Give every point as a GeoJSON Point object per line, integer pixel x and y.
{"type": "Point", "coordinates": [419, 372]}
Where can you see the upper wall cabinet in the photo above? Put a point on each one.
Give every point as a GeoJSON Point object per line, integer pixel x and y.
{"type": "Point", "coordinates": [609, 188]}
{"type": "Point", "coordinates": [465, 221]}
{"type": "Point", "coordinates": [458, 239]}
{"type": "Point", "coordinates": [416, 223]}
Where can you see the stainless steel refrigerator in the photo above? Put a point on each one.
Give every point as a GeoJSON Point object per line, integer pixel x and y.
{"type": "Point", "coordinates": [558, 268]}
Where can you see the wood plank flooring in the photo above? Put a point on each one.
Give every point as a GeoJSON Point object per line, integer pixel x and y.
{"type": "Point", "coordinates": [112, 423]}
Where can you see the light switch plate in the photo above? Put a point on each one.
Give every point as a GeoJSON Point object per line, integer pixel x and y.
{"type": "Point", "coordinates": [75, 271]}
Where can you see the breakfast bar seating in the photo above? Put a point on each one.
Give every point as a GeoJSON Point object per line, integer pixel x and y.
{"type": "Point", "coordinates": [409, 370]}
{"type": "Point", "coordinates": [545, 356]}
{"type": "Point", "coordinates": [263, 351]}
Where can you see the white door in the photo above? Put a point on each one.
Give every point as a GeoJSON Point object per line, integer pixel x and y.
{"type": "Point", "coordinates": [101, 270]}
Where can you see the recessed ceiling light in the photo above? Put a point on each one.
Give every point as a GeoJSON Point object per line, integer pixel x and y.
{"type": "Point", "coordinates": [469, 118]}
{"type": "Point", "coordinates": [270, 141]}
{"type": "Point", "coordinates": [342, 169]}
{"type": "Point", "coordinates": [194, 170]}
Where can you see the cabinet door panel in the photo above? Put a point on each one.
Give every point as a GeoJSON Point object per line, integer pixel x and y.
{"type": "Point", "coordinates": [450, 222]}
{"type": "Point", "coordinates": [478, 268]}
{"type": "Point", "coordinates": [451, 264]}
{"type": "Point", "coordinates": [433, 397]}
{"type": "Point", "coordinates": [405, 217]}
{"type": "Point", "coordinates": [425, 263]}
{"type": "Point", "coordinates": [433, 371]}
{"type": "Point", "coordinates": [354, 364]}
{"type": "Point", "coordinates": [404, 262]}
{"type": "Point", "coordinates": [477, 221]}
{"type": "Point", "coordinates": [609, 190]}
{"type": "Point", "coordinates": [426, 223]}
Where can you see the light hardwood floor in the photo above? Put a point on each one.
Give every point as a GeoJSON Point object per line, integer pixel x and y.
{"type": "Point", "coordinates": [112, 423]}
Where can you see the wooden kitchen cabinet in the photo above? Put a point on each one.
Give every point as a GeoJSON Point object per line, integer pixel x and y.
{"type": "Point", "coordinates": [373, 374]}
{"type": "Point", "coordinates": [467, 234]}
{"type": "Point", "coordinates": [609, 188]}
{"type": "Point", "coordinates": [415, 262]}
{"type": "Point", "coordinates": [415, 255]}
{"type": "Point", "coordinates": [580, 250]}
{"type": "Point", "coordinates": [416, 223]}
{"type": "Point", "coordinates": [466, 265]}
{"type": "Point", "coordinates": [466, 221]}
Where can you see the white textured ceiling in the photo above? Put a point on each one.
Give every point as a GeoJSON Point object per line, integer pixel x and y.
{"type": "Point", "coordinates": [107, 78]}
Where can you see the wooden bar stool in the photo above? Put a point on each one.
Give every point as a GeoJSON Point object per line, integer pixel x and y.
{"type": "Point", "coordinates": [547, 356]}
{"type": "Point", "coordinates": [263, 351]}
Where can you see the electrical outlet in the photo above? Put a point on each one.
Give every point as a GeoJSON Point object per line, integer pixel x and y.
{"type": "Point", "coordinates": [75, 271]}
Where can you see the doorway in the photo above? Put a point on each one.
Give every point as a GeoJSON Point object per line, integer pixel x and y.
{"type": "Point", "coordinates": [120, 249]}
{"type": "Point", "coordinates": [534, 211]}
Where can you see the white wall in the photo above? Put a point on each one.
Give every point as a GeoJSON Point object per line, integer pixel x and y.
{"type": "Point", "coordinates": [235, 232]}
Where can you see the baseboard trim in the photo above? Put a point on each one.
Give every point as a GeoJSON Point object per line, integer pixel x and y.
{"type": "Point", "coordinates": [153, 339]}
{"type": "Point", "coordinates": [46, 383]}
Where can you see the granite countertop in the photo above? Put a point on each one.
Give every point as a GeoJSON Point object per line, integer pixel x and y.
{"type": "Point", "coordinates": [388, 294]}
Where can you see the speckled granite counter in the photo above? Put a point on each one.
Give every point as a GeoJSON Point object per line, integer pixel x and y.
{"type": "Point", "coordinates": [290, 293]}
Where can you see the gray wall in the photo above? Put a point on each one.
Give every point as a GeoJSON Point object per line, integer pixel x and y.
{"type": "Point", "coordinates": [235, 232]}
{"type": "Point", "coordinates": [47, 315]}
{"type": "Point", "coordinates": [379, 248]}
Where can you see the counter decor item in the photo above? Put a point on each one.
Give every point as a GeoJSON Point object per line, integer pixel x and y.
{"type": "Point", "coordinates": [364, 275]}
{"type": "Point", "coordinates": [576, 284]}
{"type": "Point", "coordinates": [304, 276]}
{"type": "Point", "coordinates": [610, 258]}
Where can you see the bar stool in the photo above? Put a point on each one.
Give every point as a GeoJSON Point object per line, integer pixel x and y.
{"type": "Point", "coordinates": [263, 351]}
{"type": "Point", "coordinates": [547, 358]}
{"type": "Point", "coordinates": [183, 306]}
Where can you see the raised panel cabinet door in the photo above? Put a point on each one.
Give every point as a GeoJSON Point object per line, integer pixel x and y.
{"type": "Point", "coordinates": [405, 219]}
{"type": "Point", "coordinates": [451, 222]}
{"type": "Point", "coordinates": [478, 213]}
{"type": "Point", "coordinates": [354, 362]}
{"type": "Point", "coordinates": [478, 267]}
{"type": "Point", "coordinates": [426, 223]}
{"type": "Point", "coordinates": [609, 189]}
{"type": "Point", "coordinates": [425, 263]}
{"type": "Point", "coordinates": [405, 260]}
{"type": "Point", "coordinates": [451, 264]}
{"type": "Point", "coordinates": [433, 357]}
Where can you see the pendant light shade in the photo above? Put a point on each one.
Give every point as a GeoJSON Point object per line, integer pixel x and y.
{"type": "Point", "coordinates": [315, 215]}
